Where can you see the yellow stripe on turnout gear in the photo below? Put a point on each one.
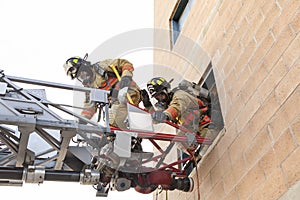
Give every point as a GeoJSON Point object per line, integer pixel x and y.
{"type": "Point", "coordinates": [119, 78]}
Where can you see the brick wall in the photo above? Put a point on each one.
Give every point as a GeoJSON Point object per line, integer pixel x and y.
{"type": "Point", "coordinates": [254, 47]}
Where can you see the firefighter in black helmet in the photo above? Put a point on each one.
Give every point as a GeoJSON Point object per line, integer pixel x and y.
{"type": "Point", "coordinates": [101, 75]}
{"type": "Point", "coordinates": [81, 69]}
{"type": "Point", "coordinates": [179, 107]}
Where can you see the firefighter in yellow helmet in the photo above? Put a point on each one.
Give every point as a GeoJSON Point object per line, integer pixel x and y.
{"type": "Point", "coordinates": [101, 75]}
{"type": "Point", "coordinates": [179, 107]}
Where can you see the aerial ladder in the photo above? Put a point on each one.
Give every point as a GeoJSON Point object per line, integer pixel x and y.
{"type": "Point", "coordinates": [37, 143]}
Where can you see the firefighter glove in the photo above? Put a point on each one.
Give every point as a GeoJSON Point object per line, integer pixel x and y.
{"type": "Point", "coordinates": [146, 99]}
{"type": "Point", "coordinates": [159, 116]}
{"type": "Point", "coordinates": [125, 81]}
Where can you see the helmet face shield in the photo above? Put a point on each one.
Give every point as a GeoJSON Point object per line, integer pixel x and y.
{"type": "Point", "coordinates": [85, 75]}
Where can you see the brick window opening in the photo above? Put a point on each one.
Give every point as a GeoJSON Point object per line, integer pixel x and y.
{"type": "Point", "coordinates": [178, 17]}
{"type": "Point", "coordinates": [207, 82]}
{"type": "Point", "coordinates": [214, 109]}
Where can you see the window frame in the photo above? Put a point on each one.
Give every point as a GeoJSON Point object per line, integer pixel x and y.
{"type": "Point", "coordinates": [178, 18]}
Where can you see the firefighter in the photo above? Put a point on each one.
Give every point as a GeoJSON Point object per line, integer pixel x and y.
{"type": "Point", "coordinates": [101, 75]}
{"type": "Point", "coordinates": [179, 107]}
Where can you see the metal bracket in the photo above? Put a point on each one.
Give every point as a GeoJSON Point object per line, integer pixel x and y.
{"type": "Point", "coordinates": [34, 174]}
{"type": "Point", "coordinates": [89, 177]}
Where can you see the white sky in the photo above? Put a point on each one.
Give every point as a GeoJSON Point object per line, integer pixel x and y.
{"type": "Point", "coordinates": [37, 37]}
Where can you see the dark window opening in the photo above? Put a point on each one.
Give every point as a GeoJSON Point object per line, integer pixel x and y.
{"type": "Point", "coordinates": [207, 82]}
{"type": "Point", "coordinates": [214, 107]}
